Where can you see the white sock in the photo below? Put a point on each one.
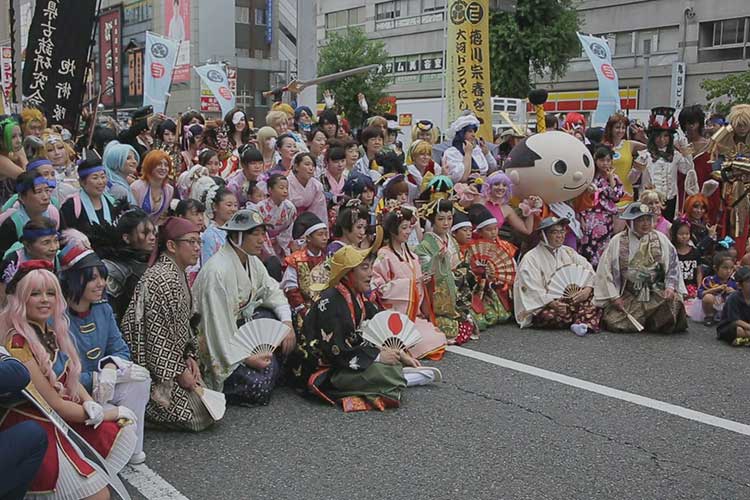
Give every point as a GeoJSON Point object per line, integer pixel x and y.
{"type": "Point", "coordinates": [415, 378]}
{"type": "Point", "coordinates": [579, 329]}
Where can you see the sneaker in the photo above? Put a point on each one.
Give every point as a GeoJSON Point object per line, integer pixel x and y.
{"type": "Point", "coordinates": [138, 458]}
{"type": "Point", "coordinates": [708, 322]}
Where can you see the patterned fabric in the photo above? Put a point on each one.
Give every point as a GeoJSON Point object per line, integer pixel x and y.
{"type": "Point", "coordinates": [584, 313]}
{"type": "Point", "coordinates": [157, 328]}
{"type": "Point", "coordinates": [597, 222]}
{"type": "Point", "coordinates": [279, 219]}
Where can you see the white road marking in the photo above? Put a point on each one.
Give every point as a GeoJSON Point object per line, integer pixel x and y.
{"type": "Point", "coordinates": [655, 404]}
{"type": "Point", "coordinates": [150, 484]}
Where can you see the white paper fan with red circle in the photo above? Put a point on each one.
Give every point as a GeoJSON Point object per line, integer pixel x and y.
{"type": "Point", "coordinates": [391, 330]}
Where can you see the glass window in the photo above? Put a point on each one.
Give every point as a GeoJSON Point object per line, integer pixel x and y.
{"type": "Point", "coordinates": [242, 14]}
{"type": "Point", "coordinates": [357, 16]}
{"type": "Point", "coordinates": [260, 17]}
{"type": "Point", "coordinates": [623, 43]}
{"type": "Point", "coordinates": [387, 10]}
{"type": "Point", "coordinates": [432, 5]}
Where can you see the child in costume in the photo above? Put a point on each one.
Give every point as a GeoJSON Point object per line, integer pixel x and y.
{"type": "Point", "coordinates": [278, 214]}
{"type": "Point", "coordinates": [714, 291]}
{"type": "Point", "coordinates": [297, 280]}
{"type": "Point", "coordinates": [597, 222]}
{"type": "Point", "coordinates": [690, 258]}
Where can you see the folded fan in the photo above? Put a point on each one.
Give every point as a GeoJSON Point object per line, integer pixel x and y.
{"type": "Point", "coordinates": [567, 281]}
{"type": "Point", "coordinates": [214, 401]}
{"type": "Point", "coordinates": [391, 330]}
{"type": "Point", "coordinates": [491, 261]}
{"type": "Point", "coordinates": [259, 336]}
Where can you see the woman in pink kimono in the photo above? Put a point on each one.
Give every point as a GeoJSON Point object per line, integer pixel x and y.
{"type": "Point", "coordinates": [305, 191]}
{"type": "Point", "coordinates": [398, 284]}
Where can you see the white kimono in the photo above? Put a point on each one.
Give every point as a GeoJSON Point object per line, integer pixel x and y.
{"type": "Point", "coordinates": [225, 292]}
{"type": "Point", "coordinates": [534, 272]}
{"type": "Point", "coordinates": [453, 162]}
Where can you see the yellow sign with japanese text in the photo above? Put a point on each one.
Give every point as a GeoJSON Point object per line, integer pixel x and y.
{"type": "Point", "coordinates": [467, 77]}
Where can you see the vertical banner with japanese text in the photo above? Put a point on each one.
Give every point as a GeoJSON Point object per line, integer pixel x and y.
{"type": "Point", "coordinates": [110, 44]}
{"type": "Point", "coordinates": [215, 78]}
{"type": "Point", "coordinates": [598, 51]}
{"type": "Point", "coordinates": [6, 77]}
{"type": "Point", "coordinates": [177, 22]}
{"type": "Point", "coordinates": [56, 57]}
{"type": "Point", "coordinates": [467, 75]}
{"type": "Point", "coordinates": [135, 70]}
{"type": "Point", "coordinates": [158, 65]}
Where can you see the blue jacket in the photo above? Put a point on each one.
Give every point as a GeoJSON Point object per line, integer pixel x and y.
{"type": "Point", "coordinates": [97, 336]}
{"type": "Point", "coordinates": [13, 377]}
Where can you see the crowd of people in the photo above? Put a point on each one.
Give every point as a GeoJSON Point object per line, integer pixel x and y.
{"type": "Point", "coordinates": [132, 257]}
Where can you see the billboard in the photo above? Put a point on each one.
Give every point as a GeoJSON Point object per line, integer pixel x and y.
{"type": "Point", "coordinates": [177, 23]}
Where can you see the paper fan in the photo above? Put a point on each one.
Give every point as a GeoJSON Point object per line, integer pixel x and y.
{"type": "Point", "coordinates": [488, 259]}
{"type": "Point", "coordinates": [391, 330]}
{"type": "Point", "coordinates": [567, 281]}
{"type": "Point", "coordinates": [214, 401]}
{"type": "Point", "coordinates": [257, 336]}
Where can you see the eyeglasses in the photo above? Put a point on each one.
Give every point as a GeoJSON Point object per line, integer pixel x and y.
{"type": "Point", "coordinates": [191, 241]}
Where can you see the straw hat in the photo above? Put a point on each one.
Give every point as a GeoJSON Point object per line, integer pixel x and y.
{"type": "Point", "coordinates": [346, 259]}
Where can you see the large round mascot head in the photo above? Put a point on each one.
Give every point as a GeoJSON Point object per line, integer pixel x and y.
{"type": "Point", "coordinates": [554, 166]}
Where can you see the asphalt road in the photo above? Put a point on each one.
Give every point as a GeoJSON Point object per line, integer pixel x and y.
{"type": "Point", "coordinates": [491, 432]}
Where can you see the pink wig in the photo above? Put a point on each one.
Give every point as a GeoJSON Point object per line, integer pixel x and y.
{"type": "Point", "coordinates": [498, 178]}
{"type": "Point", "coordinates": [13, 317]}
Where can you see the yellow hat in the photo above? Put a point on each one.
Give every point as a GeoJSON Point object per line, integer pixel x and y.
{"type": "Point", "coordinates": [346, 259]}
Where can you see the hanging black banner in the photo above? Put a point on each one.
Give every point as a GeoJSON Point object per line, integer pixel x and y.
{"type": "Point", "coordinates": [56, 57]}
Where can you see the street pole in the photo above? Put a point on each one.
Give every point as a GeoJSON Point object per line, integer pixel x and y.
{"type": "Point", "coordinates": [443, 126]}
{"type": "Point", "coordinates": [646, 68]}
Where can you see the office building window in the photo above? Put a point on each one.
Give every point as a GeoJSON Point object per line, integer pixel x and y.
{"type": "Point", "coordinates": [260, 17]}
{"type": "Point", "coordinates": [243, 52]}
{"type": "Point", "coordinates": [729, 32]}
{"type": "Point", "coordinates": [624, 43]}
{"type": "Point", "coordinates": [242, 15]}
{"type": "Point", "coordinates": [345, 18]}
{"type": "Point", "coordinates": [387, 10]}
{"type": "Point", "coordinates": [432, 5]}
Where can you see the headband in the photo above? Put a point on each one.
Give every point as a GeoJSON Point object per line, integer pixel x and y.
{"type": "Point", "coordinates": [35, 234]}
{"type": "Point", "coordinates": [36, 181]}
{"type": "Point", "coordinates": [459, 225]}
{"type": "Point", "coordinates": [486, 223]}
{"type": "Point", "coordinates": [85, 172]}
{"type": "Point", "coordinates": [37, 163]}
{"type": "Point", "coordinates": [313, 228]}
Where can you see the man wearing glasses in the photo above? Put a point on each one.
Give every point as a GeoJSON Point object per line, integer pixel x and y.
{"type": "Point", "coordinates": [554, 285]}
{"type": "Point", "coordinates": [158, 329]}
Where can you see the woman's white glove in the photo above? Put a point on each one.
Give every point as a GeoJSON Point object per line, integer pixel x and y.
{"type": "Point", "coordinates": [95, 412]}
{"type": "Point", "coordinates": [328, 99]}
{"type": "Point", "coordinates": [105, 387]}
{"type": "Point", "coordinates": [123, 412]}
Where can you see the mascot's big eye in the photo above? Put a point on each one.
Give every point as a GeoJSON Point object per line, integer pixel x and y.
{"type": "Point", "coordinates": [586, 161]}
{"type": "Point", "coordinates": [559, 167]}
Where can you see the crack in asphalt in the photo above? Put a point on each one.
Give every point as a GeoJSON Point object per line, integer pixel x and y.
{"type": "Point", "coordinates": [655, 457]}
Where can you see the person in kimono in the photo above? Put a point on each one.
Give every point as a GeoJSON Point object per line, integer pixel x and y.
{"type": "Point", "coordinates": [398, 283]}
{"type": "Point", "coordinates": [532, 301]}
{"type": "Point", "coordinates": [639, 280]}
{"type": "Point", "coordinates": [157, 327]}
{"type": "Point", "coordinates": [278, 215]}
{"type": "Point", "coordinates": [438, 255]}
{"type": "Point", "coordinates": [233, 288]}
{"type": "Point", "coordinates": [297, 277]}
{"type": "Point", "coordinates": [305, 191]}
{"type": "Point", "coordinates": [333, 361]}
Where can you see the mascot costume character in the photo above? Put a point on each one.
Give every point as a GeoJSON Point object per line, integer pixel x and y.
{"type": "Point", "coordinates": [558, 168]}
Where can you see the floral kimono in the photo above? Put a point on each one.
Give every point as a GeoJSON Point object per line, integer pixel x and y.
{"type": "Point", "coordinates": [438, 257]}
{"type": "Point", "coordinates": [397, 284]}
{"type": "Point", "coordinates": [597, 222]}
{"type": "Point", "coordinates": [309, 198]}
{"type": "Point", "coordinates": [278, 220]}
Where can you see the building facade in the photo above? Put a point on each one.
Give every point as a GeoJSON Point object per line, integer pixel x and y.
{"type": "Point", "coordinates": [255, 38]}
{"type": "Point", "coordinates": [662, 49]}
{"type": "Point", "coordinates": [648, 38]}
